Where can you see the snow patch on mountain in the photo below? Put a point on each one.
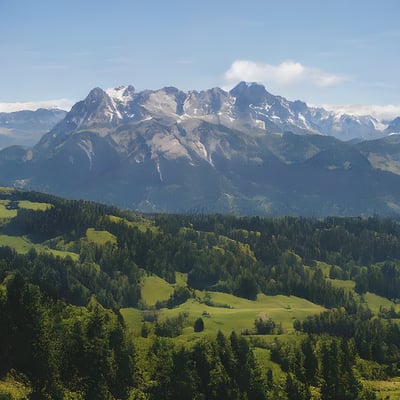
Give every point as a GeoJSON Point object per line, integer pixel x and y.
{"type": "Point", "coordinates": [87, 146]}
{"type": "Point", "coordinates": [159, 170]}
{"type": "Point", "coordinates": [122, 94]}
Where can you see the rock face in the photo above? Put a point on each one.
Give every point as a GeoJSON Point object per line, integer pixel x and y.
{"type": "Point", "coordinates": [245, 151]}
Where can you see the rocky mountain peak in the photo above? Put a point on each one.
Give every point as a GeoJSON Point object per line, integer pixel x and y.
{"type": "Point", "coordinates": [247, 94]}
{"type": "Point", "coordinates": [121, 94]}
{"type": "Point", "coordinates": [248, 106]}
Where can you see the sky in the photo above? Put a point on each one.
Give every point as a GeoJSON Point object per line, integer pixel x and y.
{"type": "Point", "coordinates": [337, 53]}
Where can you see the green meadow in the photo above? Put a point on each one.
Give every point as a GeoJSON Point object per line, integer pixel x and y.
{"type": "Point", "coordinates": [220, 311]}
{"type": "Point", "coordinates": [33, 205]}
{"type": "Point", "coordinates": [386, 390]}
{"type": "Point", "coordinates": [142, 224]}
{"type": "Point", "coordinates": [100, 237]}
{"type": "Point", "coordinates": [242, 313]}
{"type": "Point", "coordinates": [375, 302]}
{"type": "Point", "coordinates": [22, 244]}
{"type": "Point", "coordinates": [4, 212]}
{"type": "Point", "coordinates": [7, 214]}
{"type": "Point", "coordinates": [155, 289]}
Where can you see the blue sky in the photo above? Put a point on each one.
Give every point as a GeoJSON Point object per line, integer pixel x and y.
{"type": "Point", "coordinates": [322, 52]}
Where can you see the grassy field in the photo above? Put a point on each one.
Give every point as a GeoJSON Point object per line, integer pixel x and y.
{"type": "Point", "coordinates": [221, 311]}
{"type": "Point", "coordinates": [181, 278]}
{"type": "Point", "coordinates": [133, 318]}
{"type": "Point", "coordinates": [34, 206]}
{"type": "Point", "coordinates": [4, 213]}
{"type": "Point", "coordinates": [22, 245]}
{"type": "Point", "coordinates": [386, 390]}
{"type": "Point", "coordinates": [242, 312]}
{"type": "Point", "coordinates": [345, 284]}
{"type": "Point", "coordinates": [100, 237]}
{"type": "Point", "coordinates": [142, 224]}
{"type": "Point", "coordinates": [374, 302]}
{"type": "Point", "coordinates": [155, 289]}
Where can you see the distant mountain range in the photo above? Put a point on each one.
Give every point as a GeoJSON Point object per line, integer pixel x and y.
{"type": "Point", "coordinates": [245, 151]}
{"type": "Point", "coordinates": [27, 127]}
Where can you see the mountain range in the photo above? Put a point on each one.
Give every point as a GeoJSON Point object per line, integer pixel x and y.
{"type": "Point", "coordinates": [241, 151]}
{"type": "Point", "coordinates": [27, 127]}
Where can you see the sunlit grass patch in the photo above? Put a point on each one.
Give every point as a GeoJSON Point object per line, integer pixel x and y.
{"type": "Point", "coordinates": [155, 289]}
{"type": "Point", "coordinates": [22, 244]}
{"type": "Point", "coordinates": [344, 284]}
{"type": "Point", "coordinates": [142, 224]}
{"type": "Point", "coordinates": [100, 237]}
{"type": "Point", "coordinates": [375, 302]}
{"type": "Point", "coordinates": [30, 205]}
{"type": "Point", "coordinates": [181, 279]}
{"type": "Point", "coordinates": [225, 312]}
{"type": "Point", "coordinates": [133, 319]}
{"type": "Point", "coordinates": [4, 212]}
{"type": "Point", "coordinates": [386, 390]}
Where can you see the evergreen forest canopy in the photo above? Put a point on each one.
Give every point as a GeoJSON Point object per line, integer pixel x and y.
{"type": "Point", "coordinates": [63, 334]}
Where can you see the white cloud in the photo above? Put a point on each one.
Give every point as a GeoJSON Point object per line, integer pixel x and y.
{"type": "Point", "coordinates": [380, 112]}
{"type": "Point", "coordinates": [63, 104]}
{"type": "Point", "coordinates": [285, 74]}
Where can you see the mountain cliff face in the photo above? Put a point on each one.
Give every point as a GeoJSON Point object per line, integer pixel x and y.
{"type": "Point", "coordinates": [244, 151]}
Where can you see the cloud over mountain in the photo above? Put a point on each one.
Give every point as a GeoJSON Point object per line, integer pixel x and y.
{"type": "Point", "coordinates": [286, 73]}
{"type": "Point", "coordinates": [62, 104]}
{"type": "Point", "coordinates": [382, 112]}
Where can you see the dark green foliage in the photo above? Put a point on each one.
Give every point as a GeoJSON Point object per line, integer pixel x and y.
{"type": "Point", "coordinates": [372, 336]}
{"type": "Point", "coordinates": [59, 347]}
{"type": "Point", "coordinates": [329, 361]}
{"type": "Point", "coordinates": [199, 325]}
{"type": "Point", "coordinates": [264, 325]}
{"type": "Point", "coordinates": [170, 327]}
{"type": "Point", "coordinates": [246, 287]}
{"type": "Point", "coordinates": [295, 389]}
{"type": "Point", "coordinates": [75, 281]}
{"type": "Point", "coordinates": [179, 296]}
{"type": "Point", "coordinates": [216, 369]}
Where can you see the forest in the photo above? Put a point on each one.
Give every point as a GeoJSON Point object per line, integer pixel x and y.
{"type": "Point", "coordinates": [63, 334]}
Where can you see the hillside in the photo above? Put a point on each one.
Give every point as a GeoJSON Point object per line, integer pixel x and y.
{"type": "Point", "coordinates": [89, 276]}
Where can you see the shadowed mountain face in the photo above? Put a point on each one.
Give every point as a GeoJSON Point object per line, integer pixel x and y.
{"type": "Point", "coordinates": [245, 151]}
